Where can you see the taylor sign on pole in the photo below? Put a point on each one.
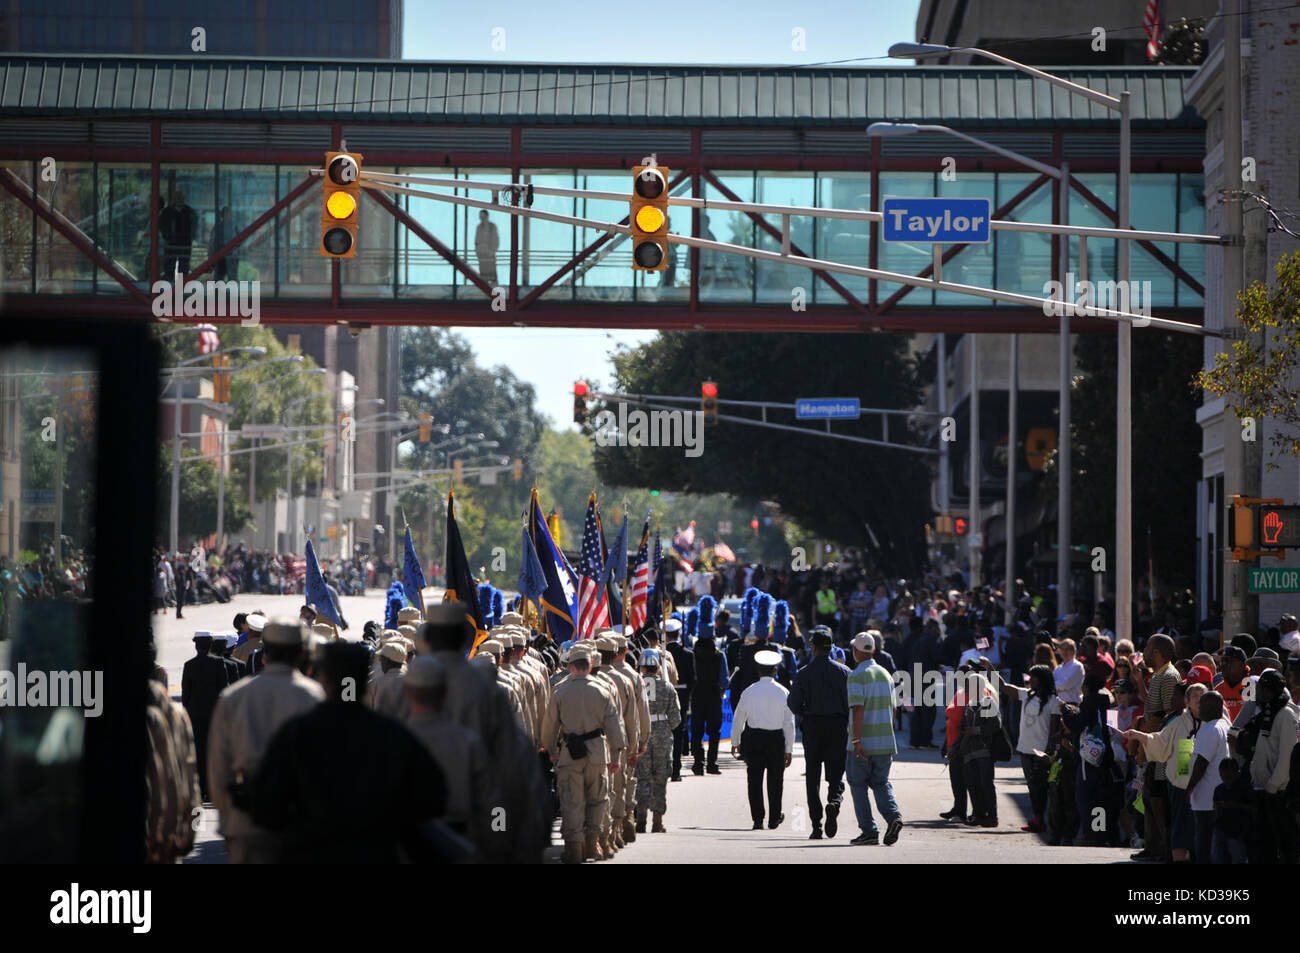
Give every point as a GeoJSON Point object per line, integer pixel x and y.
{"type": "Point", "coordinates": [936, 221]}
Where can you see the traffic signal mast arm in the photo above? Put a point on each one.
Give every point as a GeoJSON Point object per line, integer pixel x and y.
{"type": "Point", "coordinates": [388, 182]}
{"type": "Point", "coordinates": [650, 401]}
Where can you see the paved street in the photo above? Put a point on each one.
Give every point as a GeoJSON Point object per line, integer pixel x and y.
{"type": "Point", "coordinates": [708, 817]}
{"type": "Point", "coordinates": [708, 822]}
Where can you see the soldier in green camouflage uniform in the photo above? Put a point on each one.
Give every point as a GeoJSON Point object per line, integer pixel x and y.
{"type": "Point", "coordinates": [656, 764]}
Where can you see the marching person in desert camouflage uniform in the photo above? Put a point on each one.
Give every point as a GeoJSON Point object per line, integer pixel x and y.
{"type": "Point", "coordinates": [653, 768]}
{"type": "Point", "coordinates": [584, 735]}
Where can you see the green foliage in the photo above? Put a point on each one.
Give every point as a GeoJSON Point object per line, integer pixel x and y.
{"type": "Point", "coordinates": [198, 506]}
{"type": "Point", "coordinates": [851, 493]}
{"type": "Point", "coordinates": [1165, 444]}
{"type": "Point", "coordinates": [1257, 375]}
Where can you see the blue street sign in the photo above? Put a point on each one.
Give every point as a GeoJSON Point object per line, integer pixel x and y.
{"type": "Point", "coordinates": [937, 221]}
{"type": "Point", "coordinates": [827, 408]}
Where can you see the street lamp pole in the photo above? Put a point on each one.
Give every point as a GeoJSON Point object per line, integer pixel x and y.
{"type": "Point", "coordinates": [1062, 176]}
{"type": "Point", "coordinates": [1124, 342]}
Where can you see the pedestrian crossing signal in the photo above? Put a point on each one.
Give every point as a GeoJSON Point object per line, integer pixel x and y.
{"type": "Point", "coordinates": [649, 218]}
{"type": "Point", "coordinates": [338, 224]}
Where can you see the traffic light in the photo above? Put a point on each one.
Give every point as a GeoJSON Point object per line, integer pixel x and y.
{"type": "Point", "coordinates": [753, 524]}
{"type": "Point", "coordinates": [221, 378]}
{"type": "Point", "coordinates": [959, 525]}
{"type": "Point", "coordinates": [1279, 526]}
{"type": "Point", "coordinates": [458, 470]}
{"type": "Point", "coordinates": [579, 402]}
{"type": "Point", "coordinates": [519, 469]}
{"type": "Point", "coordinates": [338, 223]}
{"type": "Point", "coordinates": [649, 218]}
{"type": "Point", "coordinates": [426, 427]}
{"type": "Point", "coordinates": [709, 402]}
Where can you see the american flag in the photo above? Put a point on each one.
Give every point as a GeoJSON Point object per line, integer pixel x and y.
{"type": "Point", "coordinates": [208, 340]}
{"type": "Point", "coordinates": [1151, 26]}
{"type": "Point", "coordinates": [593, 607]}
{"type": "Point", "coordinates": [640, 579]}
{"type": "Point", "coordinates": [684, 540]}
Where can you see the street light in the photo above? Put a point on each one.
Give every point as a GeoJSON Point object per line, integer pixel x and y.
{"type": "Point", "coordinates": [1063, 514]}
{"type": "Point", "coordinates": [1124, 349]}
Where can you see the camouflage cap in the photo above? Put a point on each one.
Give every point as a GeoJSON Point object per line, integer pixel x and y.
{"type": "Point", "coordinates": [512, 618]}
{"type": "Point", "coordinates": [607, 643]}
{"type": "Point", "coordinates": [491, 646]}
{"type": "Point", "coordinates": [408, 614]}
{"type": "Point", "coordinates": [393, 651]}
{"type": "Point", "coordinates": [407, 630]}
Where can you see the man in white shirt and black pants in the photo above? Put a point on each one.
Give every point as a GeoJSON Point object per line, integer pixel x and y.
{"type": "Point", "coordinates": [764, 725]}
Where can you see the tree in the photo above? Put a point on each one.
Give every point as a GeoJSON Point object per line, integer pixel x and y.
{"type": "Point", "coordinates": [1258, 375]}
{"type": "Point", "coordinates": [856, 494]}
{"type": "Point", "coordinates": [198, 505]}
{"type": "Point", "coordinates": [1183, 43]}
{"type": "Point", "coordinates": [1165, 443]}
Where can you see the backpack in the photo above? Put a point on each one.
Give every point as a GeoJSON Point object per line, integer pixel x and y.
{"type": "Point", "coordinates": [1092, 745]}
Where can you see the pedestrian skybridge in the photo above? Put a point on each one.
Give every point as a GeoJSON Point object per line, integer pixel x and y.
{"type": "Point", "coordinates": [117, 171]}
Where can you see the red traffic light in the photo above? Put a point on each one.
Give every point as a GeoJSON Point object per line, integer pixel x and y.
{"type": "Point", "coordinates": [709, 389]}
{"type": "Point", "coordinates": [579, 388]}
{"type": "Point", "coordinates": [959, 524]}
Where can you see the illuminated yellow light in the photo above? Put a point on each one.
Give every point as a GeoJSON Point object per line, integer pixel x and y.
{"type": "Point", "coordinates": [341, 205]}
{"type": "Point", "coordinates": [649, 218]}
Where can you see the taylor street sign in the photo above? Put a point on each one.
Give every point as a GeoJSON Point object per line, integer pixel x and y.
{"type": "Point", "coordinates": [937, 221]}
{"type": "Point", "coordinates": [1274, 580]}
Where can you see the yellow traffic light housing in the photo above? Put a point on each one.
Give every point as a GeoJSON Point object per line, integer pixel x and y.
{"type": "Point", "coordinates": [649, 218]}
{"type": "Point", "coordinates": [221, 378]}
{"type": "Point", "coordinates": [458, 470]}
{"type": "Point", "coordinates": [518, 469]}
{"type": "Point", "coordinates": [426, 427]}
{"type": "Point", "coordinates": [338, 223]}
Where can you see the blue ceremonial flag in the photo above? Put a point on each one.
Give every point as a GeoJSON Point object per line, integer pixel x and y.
{"type": "Point", "coordinates": [559, 601]}
{"type": "Point", "coordinates": [317, 594]}
{"type": "Point", "coordinates": [412, 575]}
{"type": "Point", "coordinates": [654, 610]}
{"type": "Point", "coordinates": [532, 581]}
{"type": "Point", "coordinates": [606, 575]}
{"type": "Point", "coordinates": [616, 564]}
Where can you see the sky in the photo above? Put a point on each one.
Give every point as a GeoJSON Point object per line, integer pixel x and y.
{"type": "Point", "coordinates": [600, 31]}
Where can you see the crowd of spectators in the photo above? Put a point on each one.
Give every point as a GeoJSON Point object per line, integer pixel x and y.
{"type": "Point", "coordinates": [1176, 744]}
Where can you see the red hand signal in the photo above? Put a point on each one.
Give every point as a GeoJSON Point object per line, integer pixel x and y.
{"type": "Point", "coordinates": [1272, 527]}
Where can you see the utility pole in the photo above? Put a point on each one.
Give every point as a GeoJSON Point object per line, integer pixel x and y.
{"type": "Point", "coordinates": [58, 474]}
{"type": "Point", "coordinates": [1013, 398]}
{"type": "Point", "coordinates": [973, 534]}
{"type": "Point", "coordinates": [1236, 604]}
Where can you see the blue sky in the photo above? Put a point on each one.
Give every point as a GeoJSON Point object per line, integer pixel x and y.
{"type": "Point", "coordinates": [600, 31]}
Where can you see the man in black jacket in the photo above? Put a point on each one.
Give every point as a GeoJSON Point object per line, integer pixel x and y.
{"type": "Point", "coordinates": [685, 662]}
{"type": "Point", "coordinates": [323, 767]}
{"type": "Point", "coordinates": [204, 678]}
{"type": "Point", "coordinates": [819, 697]}
{"type": "Point", "coordinates": [706, 703]}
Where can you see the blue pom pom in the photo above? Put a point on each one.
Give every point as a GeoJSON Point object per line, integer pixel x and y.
{"type": "Point", "coordinates": [692, 622]}
{"type": "Point", "coordinates": [780, 621]}
{"type": "Point", "coordinates": [498, 606]}
{"type": "Point", "coordinates": [762, 615]}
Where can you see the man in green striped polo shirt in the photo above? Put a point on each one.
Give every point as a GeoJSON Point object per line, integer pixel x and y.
{"type": "Point", "coordinates": [871, 742]}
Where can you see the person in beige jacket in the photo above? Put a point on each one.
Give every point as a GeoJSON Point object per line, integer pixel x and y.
{"type": "Point", "coordinates": [584, 735]}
